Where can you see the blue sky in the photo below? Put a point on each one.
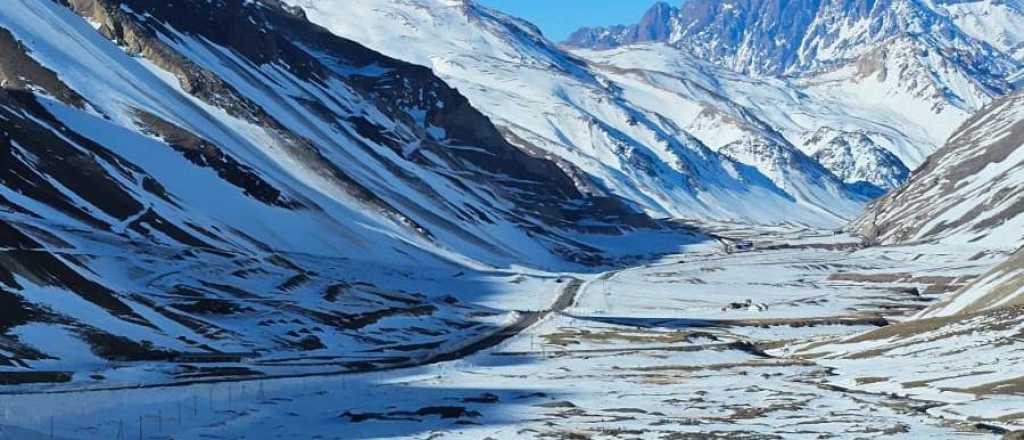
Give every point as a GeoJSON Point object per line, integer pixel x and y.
{"type": "Point", "coordinates": [558, 18]}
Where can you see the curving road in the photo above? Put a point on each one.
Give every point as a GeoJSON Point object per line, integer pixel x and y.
{"type": "Point", "coordinates": [565, 299]}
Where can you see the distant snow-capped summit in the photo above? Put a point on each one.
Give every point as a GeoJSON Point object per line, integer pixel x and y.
{"type": "Point", "coordinates": [656, 25]}
{"type": "Point", "coordinates": [771, 37]}
{"type": "Point", "coordinates": [920, 67]}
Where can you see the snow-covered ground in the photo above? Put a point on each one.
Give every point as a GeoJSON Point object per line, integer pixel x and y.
{"type": "Point", "coordinates": [234, 224]}
{"type": "Point", "coordinates": [669, 349]}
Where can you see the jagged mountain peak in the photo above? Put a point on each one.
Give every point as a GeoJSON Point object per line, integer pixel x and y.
{"type": "Point", "coordinates": [770, 37]}
{"type": "Point", "coordinates": [929, 65]}
{"type": "Point", "coordinates": [655, 25]}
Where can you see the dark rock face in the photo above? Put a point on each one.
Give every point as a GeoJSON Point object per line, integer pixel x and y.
{"type": "Point", "coordinates": [18, 71]}
{"type": "Point", "coordinates": [405, 86]}
{"type": "Point", "coordinates": [656, 25]}
{"type": "Point", "coordinates": [21, 136]}
{"type": "Point", "coordinates": [771, 30]}
{"type": "Point", "coordinates": [1014, 435]}
{"type": "Point", "coordinates": [204, 153]}
{"type": "Point", "coordinates": [858, 160]}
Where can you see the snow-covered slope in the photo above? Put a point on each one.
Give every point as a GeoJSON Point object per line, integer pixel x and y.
{"type": "Point", "coordinates": [773, 37]}
{"type": "Point", "coordinates": [969, 192]}
{"type": "Point", "coordinates": [997, 22]}
{"type": "Point", "coordinates": [956, 355]}
{"type": "Point", "coordinates": [551, 103]}
{"type": "Point", "coordinates": [906, 65]}
{"type": "Point", "coordinates": [856, 158]}
{"type": "Point", "coordinates": [721, 107]}
{"type": "Point", "coordinates": [1001, 287]}
{"type": "Point", "coordinates": [960, 365]}
{"type": "Point", "coordinates": [199, 177]}
{"type": "Point", "coordinates": [969, 198]}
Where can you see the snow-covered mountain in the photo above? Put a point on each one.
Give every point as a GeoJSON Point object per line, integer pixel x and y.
{"type": "Point", "coordinates": [996, 22]}
{"type": "Point", "coordinates": [657, 24]}
{"type": "Point", "coordinates": [721, 107]}
{"type": "Point", "coordinates": [856, 158]}
{"type": "Point", "coordinates": [192, 176]}
{"type": "Point", "coordinates": [772, 37]}
{"type": "Point", "coordinates": [596, 125]}
{"type": "Point", "coordinates": [922, 68]}
{"type": "Point", "coordinates": [969, 192]}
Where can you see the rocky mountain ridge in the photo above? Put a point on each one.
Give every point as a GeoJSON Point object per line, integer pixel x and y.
{"type": "Point", "coordinates": [210, 177]}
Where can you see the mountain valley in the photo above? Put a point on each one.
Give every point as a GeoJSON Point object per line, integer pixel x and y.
{"type": "Point", "coordinates": [744, 219]}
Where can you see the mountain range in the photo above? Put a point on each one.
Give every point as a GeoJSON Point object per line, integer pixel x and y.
{"type": "Point", "coordinates": [771, 37]}
{"type": "Point", "coordinates": [347, 183]}
{"type": "Point", "coordinates": [653, 114]}
{"type": "Point", "coordinates": [169, 176]}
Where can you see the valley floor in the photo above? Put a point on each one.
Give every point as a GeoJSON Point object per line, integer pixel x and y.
{"type": "Point", "coordinates": [668, 350]}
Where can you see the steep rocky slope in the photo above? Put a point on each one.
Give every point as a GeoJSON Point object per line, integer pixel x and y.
{"type": "Point", "coordinates": [551, 102]}
{"type": "Point", "coordinates": [229, 177]}
{"type": "Point", "coordinates": [969, 192]}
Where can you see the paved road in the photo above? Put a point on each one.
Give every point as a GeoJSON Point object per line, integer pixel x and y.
{"type": "Point", "coordinates": [566, 299]}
